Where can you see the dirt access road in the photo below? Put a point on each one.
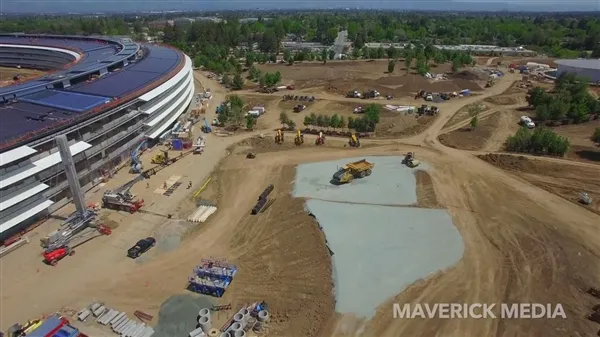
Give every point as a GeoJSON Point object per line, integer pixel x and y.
{"type": "Point", "coordinates": [522, 244]}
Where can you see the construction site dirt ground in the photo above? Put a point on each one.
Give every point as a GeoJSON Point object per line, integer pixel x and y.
{"type": "Point", "coordinates": [340, 77]}
{"type": "Point", "coordinates": [7, 74]}
{"type": "Point", "coordinates": [522, 243]}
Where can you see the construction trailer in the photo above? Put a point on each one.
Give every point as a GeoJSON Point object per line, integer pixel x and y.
{"type": "Point", "coordinates": [212, 277]}
{"type": "Point", "coordinates": [357, 169]}
{"type": "Point", "coordinates": [80, 225]}
{"type": "Point", "coordinates": [54, 325]}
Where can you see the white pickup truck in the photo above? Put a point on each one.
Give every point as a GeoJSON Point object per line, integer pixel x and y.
{"type": "Point", "coordinates": [526, 121]}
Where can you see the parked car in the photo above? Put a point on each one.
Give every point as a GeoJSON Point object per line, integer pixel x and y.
{"type": "Point", "coordinates": [526, 121]}
{"type": "Point", "coordinates": [141, 247]}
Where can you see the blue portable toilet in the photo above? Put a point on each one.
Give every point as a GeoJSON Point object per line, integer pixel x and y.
{"type": "Point", "coordinates": [177, 144]}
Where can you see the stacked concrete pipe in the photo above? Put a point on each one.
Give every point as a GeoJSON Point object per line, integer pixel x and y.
{"type": "Point", "coordinates": [246, 315]}
{"type": "Point", "coordinates": [235, 327]}
{"type": "Point", "coordinates": [225, 334]}
{"type": "Point", "coordinates": [263, 316]}
{"type": "Point", "coordinates": [239, 333]}
{"type": "Point", "coordinates": [205, 323]}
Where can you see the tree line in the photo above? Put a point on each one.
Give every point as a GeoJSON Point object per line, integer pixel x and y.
{"type": "Point", "coordinates": [366, 123]}
{"type": "Point", "coordinates": [540, 141]}
{"type": "Point", "coordinates": [570, 100]}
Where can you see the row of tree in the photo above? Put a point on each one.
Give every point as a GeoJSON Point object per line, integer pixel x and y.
{"type": "Point", "coordinates": [570, 100]}
{"type": "Point", "coordinates": [264, 79]}
{"type": "Point", "coordinates": [540, 141]}
{"type": "Point", "coordinates": [365, 123]}
{"type": "Point", "coordinates": [596, 136]}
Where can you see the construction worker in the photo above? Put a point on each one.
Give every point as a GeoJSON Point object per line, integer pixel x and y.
{"type": "Point", "coordinates": [189, 185]}
{"type": "Point", "coordinates": [165, 185]}
{"type": "Point", "coordinates": [147, 185]}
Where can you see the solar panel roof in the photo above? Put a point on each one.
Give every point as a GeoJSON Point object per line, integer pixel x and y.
{"type": "Point", "coordinates": [21, 118]}
{"type": "Point", "coordinates": [66, 100]}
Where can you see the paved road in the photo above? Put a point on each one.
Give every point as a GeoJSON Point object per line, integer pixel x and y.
{"type": "Point", "coordinates": [340, 42]}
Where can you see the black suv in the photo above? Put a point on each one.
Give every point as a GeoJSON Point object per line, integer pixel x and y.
{"type": "Point", "coordinates": [141, 247]}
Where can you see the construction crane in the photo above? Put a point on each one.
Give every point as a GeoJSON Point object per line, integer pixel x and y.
{"type": "Point", "coordinates": [136, 164]}
{"type": "Point", "coordinates": [299, 139]}
{"type": "Point", "coordinates": [206, 127]}
{"type": "Point", "coordinates": [122, 200]}
{"type": "Point", "coordinates": [80, 225]}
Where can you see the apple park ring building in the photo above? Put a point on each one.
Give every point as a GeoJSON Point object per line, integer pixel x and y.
{"type": "Point", "coordinates": [109, 96]}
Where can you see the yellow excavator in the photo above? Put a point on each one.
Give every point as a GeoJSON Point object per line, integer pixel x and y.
{"type": "Point", "coordinates": [161, 158]}
{"type": "Point", "coordinates": [354, 141]}
{"type": "Point", "coordinates": [279, 137]}
{"type": "Point", "coordinates": [299, 139]}
{"type": "Point", "coordinates": [357, 169]}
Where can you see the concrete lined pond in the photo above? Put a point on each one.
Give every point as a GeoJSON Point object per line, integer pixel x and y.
{"type": "Point", "coordinates": [378, 250]}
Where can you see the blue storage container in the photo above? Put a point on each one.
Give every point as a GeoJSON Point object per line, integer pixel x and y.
{"type": "Point", "coordinates": [177, 144]}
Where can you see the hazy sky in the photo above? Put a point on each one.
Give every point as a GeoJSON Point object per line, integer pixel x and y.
{"type": "Point", "coordinates": [64, 6]}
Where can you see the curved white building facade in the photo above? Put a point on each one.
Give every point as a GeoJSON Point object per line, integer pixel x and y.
{"type": "Point", "coordinates": [108, 96]}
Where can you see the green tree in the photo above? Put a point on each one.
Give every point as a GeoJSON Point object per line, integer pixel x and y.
{"type": "Point", "coordinates": [286, 55]}
{"type": "Point", "coordinates": [291, 60]}
{"type": "Point", "coordinates": [284, 118]}
{"type": "Point", "coordinates": [324, 56]}
{"type": "Point", "coordinates": [350, 123]}
{"type": "Point", "coordinates": [226, 80]}
{"type": "Point", "coordinates": [238, 82]}
{"type": "Point", "coordinates": [307, 121]}
{"type": "Point", "coordinates": [236, 101]}
{"type": "Point", "coordinates": [372, 113]}
{"type": "Point", "coordinates": [334, 122]}
{"type": "Point", "coordinates": [537, 96]}
{"type": "Point", "coordinates": [342, 123]}
{"type": "Point", "coordinates": [250, 122]}
{"type": "Point", "coordinates": [391, 66]}
{"type": "Point", "coordinates": [474, 122]}
{"type": "Point", "coordinates": [250, 59]}
{"type": "Point", "coordinates": [320, 121]}
{"type": "Point", "coordinates": [596, 136]}
{"type": "Point", "coordinates": [407, 63]}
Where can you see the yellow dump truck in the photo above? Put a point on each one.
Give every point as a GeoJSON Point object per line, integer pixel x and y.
{"type": "Point", "coordinates": [357, 169]}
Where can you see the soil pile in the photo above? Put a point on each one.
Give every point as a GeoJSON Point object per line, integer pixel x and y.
{"type": "Point", "coordinates": [509, 162]}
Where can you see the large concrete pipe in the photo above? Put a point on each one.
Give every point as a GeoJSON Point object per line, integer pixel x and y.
{"type": "Point", "coordinates": [213, 333]}
{"type": "Point", "coordinates": [239, 333]}
{"type": "Point", "coordinates": [257, 327]}
{"type": "Point", "coordinates": [204, 324]}
{"type": "Point", "coordinates": [239, 318]}
{"type": "Point", "coordinates": [263, 316]}
{"type": "Point", "coordinates": [225, 334]}
{"type": "Point", "coordinates": [246, 313]}
{"type": "Point", "coordinates": [236, 326]}
{"type": "Point", "coordinates": [204, 312]}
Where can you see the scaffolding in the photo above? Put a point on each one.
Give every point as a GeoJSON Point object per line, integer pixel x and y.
{"type": "Point", "coordinates": [212, 277]}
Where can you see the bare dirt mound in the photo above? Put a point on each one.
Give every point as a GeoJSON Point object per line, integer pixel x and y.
{"type": "Point", "coordinates": [502, 100]}
{"type": "Point", "coordinates": [467, 139]}
{"type": "Point", "coordinates": [509, 162]}
{"type": "Point", "coordinates": [426, 196]}
{"type": "Point", "coordinates": [284, 261]}
{"type": "Point", "coordinates": [562, 179]}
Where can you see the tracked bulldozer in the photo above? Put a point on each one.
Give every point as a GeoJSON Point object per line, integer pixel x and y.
{"type": "Point", "coordinates": [354, 141]}
{"type": "Point", "coordinates": [279, 137]}
{"type": "Point", "coordinates": [299, 139]}
{"type": "Point", "coordinates": [410, 161]}
{"type": "Point", "coordinates": [320, 139]}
